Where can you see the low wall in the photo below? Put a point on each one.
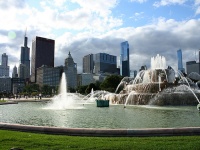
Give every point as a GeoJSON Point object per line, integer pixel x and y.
{"type": "Point", "coordinates": [103, 132]}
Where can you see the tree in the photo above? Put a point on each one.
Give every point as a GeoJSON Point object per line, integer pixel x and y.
{"type": "Point", "coordinates": [90, 87]}
{"type": "Point", "coordinates": [46, 90]}
{"type": "Point", "coordinates": [110, 83]}
{"type": "Point", "coordinates": [31, 88]}
{"type": "Point", "coordinates": [81, 89]}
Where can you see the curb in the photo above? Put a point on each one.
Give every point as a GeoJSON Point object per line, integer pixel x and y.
{"type": "Point", "coordinates": [144, 132]}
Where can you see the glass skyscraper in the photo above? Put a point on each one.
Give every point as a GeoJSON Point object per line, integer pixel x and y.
{"type": "Point", "coordinates": [99, 63]}
{"type": "Point", "coordinates": [180, 62]}
{"type": "Point", "coordinates": [124, 59]}
{"type": "Point", "coordinates": [105, 63]}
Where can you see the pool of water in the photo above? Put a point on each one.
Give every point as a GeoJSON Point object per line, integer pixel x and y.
{"type": "Point", "coordinates": [90, 116]}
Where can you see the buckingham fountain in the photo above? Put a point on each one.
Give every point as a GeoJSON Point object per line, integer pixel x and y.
{"type": "Point", "coordinates": [159, 97]}
{"type": "Point", "coordinates": [160, 85]}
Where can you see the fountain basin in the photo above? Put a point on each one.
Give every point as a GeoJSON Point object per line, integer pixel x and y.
{"type": "Point", "coordinates": [112, 117]}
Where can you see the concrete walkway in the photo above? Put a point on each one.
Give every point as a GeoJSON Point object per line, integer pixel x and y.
{"type": "Point", "coordinates": [27, 99]}
{"type": "Point", "coordinates": [188, 131]}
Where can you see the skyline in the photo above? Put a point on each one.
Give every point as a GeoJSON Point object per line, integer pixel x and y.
{"type": "Point", "coordinates": [151, 28]}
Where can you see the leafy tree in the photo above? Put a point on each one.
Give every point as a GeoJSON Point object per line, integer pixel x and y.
{"type": "Point", "coordinates": [90, 87]}
{"type": "Point", "coordinates": [81, 89]}
{"type": "Point", "coordinates": [31, 88]}
{"type": "Point", "coordinates": [110, 83]}
{"type": "Point", "coordinates": [46, 90]}
{"type": "Point", "coordinates": [72, 90]}
{"type": "Point", "coordinates": [97, 85]}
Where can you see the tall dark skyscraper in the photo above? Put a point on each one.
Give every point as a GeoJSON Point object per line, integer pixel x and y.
{"type": "Point", "coordinates": [42, 54]}
{"type": "Point", "coordinates": [24, 67]}
{"type": "Point", "coordinates": [124, 59]}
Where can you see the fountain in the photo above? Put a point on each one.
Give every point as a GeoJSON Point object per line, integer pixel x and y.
{"type": "Point", "coordinates": [157, 86]}
{"type": "Point", "coordinates": [64, 100]}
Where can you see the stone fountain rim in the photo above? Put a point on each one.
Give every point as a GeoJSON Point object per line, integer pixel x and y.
{"type": "Point", "coordinates": [99, 132]}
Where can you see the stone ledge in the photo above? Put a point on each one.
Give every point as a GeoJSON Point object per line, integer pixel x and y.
{"type": "Point", "coordinates": [186, 131]}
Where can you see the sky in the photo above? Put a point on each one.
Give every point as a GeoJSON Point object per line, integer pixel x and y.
{"type": "Point", "coordinates": [99, 26]}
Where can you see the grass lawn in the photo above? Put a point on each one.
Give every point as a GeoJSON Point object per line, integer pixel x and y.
{"type": "Point", "coordinates": [33, 141]}
{"type": "Point", "coordinates": [2, 101]}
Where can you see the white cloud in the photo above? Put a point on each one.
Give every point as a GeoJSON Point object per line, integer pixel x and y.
{"type": "Point", "coordinates": [11, 3]}
{"type": "Point", "coordinates": [168, 2]}
{"type": "Point", "coordinates": [164, 37]}
{"type": "Point", "coordinates": [139, 1]}
{"type": "Point", "coordinates": [137, 16]}
{"type": "Point", "coordinates": [197, 6]}
{"type": "Point", "coordinates": [197, 2]}
{"type": "Point", "coordinates": [92, 28]}
{"type": "Point", "coordinates": [197, 10]}
{"type": "Point", "coordinates": [101, 7]}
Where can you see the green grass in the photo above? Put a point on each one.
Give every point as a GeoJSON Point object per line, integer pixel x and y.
{"type": "Point", "coordinates": [2, 101]}
{"type": "Point", "coordinates": [33, 141]}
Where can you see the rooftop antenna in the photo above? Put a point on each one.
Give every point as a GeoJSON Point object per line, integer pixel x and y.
{"type": "Point", "coordinates": [25, 32]}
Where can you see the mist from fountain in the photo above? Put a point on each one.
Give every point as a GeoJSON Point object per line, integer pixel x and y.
{"type": "Point", "coordinates": [64, 100]}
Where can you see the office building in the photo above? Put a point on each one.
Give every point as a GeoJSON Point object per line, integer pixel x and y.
{"type": "Point", "coordinates": [105, 63]}
{"type": "Point", "coordinates": [180, 62]}
{"type": "Point", "coordinates": [14, 73]}
{"type": "Point", "coordinates": [124, 59]}
{"type": "Point", "coordinates": [17, 85]}
{"type": "Point", "coordinates": [5, 82]}
{"type": "Point", "coordinates": [4, 68]}
{"type": "Point", "coordinates": [192, 66]}
{"type": "Point", "coordinates": [100, 63]}
{"type": "Point", "coordinates": [88, 64]}
{"type": "Point", "coordinates": [42, 54]}
{"type": "Point", "coordinates": [85, 79]}
{"type": "Point", "coordinates": [70, 70]}
{"type": "Point", "coordinates": [49, 76]}
{"type": "Point", "coordinates": [24, 67]}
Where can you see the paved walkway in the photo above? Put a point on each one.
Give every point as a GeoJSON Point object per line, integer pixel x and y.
{"type": "Point", "coordinates": [27, 99]}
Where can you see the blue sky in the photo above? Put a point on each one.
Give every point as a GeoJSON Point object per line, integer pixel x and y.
{"type": "Point", "coordinates": [87, 26]}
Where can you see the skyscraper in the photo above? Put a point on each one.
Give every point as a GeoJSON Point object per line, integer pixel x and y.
{"type": "Point", "coordinates": [180, 62]}
{"type": "Point", "coordinates": [4, 68]}
{"type": "Point", "coordinates": [100, 63]}
{"type": "Point", "coordinates": [88, 64]}
{"type": "Point", "coordinates": [14, 73]}
{"type": "Point", "coordinates": [42, 54]}
{"type": "Point", "coordinates": [24, 67]}
{"type": "Point", "coordinates": [70, 69]}
{"type": "Point", "coordinates": [124, 59]}
{"type": "Point", "coordinates": [105, 63]}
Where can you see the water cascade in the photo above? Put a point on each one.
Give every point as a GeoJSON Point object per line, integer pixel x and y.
{"type": "Point", "coordinates": [158, 86]}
